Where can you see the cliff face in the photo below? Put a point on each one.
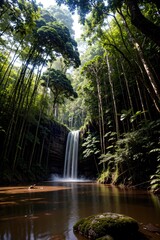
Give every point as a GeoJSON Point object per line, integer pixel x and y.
{"type": "Point", "coordinates": [57, 148]}
{"type": "Point", "coordinates": [40, 151]}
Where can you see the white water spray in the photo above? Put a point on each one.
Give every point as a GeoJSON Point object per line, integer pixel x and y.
{"type": "Point", "coordinates": [71, 155]}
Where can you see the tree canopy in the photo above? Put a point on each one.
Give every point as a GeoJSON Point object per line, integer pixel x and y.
{"type": "Point", "coordinates": [59, 85]}
{"type": "Point", "coordinates": [101, 9]}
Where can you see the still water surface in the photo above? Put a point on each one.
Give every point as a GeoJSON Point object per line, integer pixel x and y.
{"type": "Point", "coordinates": [51, 215]}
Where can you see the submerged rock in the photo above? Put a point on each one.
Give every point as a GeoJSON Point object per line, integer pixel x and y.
{"type": "Point", "coordinates": [150, 227]}
{"type": "Point", "coordinates": [107, 226]}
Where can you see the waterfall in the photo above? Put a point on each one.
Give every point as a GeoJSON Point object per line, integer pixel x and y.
{"type": "Point", "coordinates": [71, 155]}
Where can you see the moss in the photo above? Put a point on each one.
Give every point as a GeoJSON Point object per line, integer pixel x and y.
{"type": "Point", "coordinates": [106, 226]}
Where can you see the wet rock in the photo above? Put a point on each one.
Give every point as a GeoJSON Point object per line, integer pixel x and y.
{"type": "Point", "coordinates": [57, 148]}
{"type": "Point", "coordinates": [150, 227]}
{"type": "Point", "coordinates": [107, 237]}
{"type": "Point", "coordinates": [107, 226]}
{"type": "Point", "coordinates": [32, 187]}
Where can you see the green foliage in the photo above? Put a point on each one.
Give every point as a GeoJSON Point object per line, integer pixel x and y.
{"type": "Point", "coordinates": [1, 129]}
{"type": "Point", "coordinates": [128, 114]}
{"type": "Point", "coordinates": [18, 17]}
{"type": "Point", "coordinates": [91, 146]}
{"type": "Point", "coordinates": [135, 157]}
{"type": "Point", "coordinates": [125, 114]}
{"type": "Point", "coordinates": [155, 178]}
{"type": "Point", "coordinates": [59, 85]}
{"type": "Point", "coordinates": [100, 11]}
{"type": "Point", "coordinates": [57, 81]}
{"type": "Point", "coordinates": [56, 37]}
{"type": "Point", "coordinates": [105, 177]}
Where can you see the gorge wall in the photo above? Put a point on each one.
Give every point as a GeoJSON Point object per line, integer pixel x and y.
{"type": "Point", "coordinates": [41, 152]}
{"type": "Point", "coordinates": [57, 148]}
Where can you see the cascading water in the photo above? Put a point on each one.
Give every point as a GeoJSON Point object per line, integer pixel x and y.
{"type": "Point", "coordinates": [71, 155]}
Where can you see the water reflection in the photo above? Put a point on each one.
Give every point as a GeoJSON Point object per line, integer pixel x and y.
{"type": "Point", "coordinates": [51, 215]}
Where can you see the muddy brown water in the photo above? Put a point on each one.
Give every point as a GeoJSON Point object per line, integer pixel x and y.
{"type": "Point", "coordinates": [49, 211]}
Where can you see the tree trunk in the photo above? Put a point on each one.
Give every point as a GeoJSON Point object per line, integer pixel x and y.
{"type": "Point", "coordinates": [41, 152]}
{"type": "Point", "coordinates": [100, 109]}
{"type": "Point", "coordinates": [125, 129]}
{"type": "Point", "coordinates": [149, 89]}
{"type": "Point", "coordinates": [148, 71]}
{"type": "Point", "coordinates": [141, 99]}
{"type": "Point", "coordinates": [151, 85]}
{"type": "Point", "coordinates": [128, 92]}
{"type": "Point", "coordinates": [148, 28]}
{"type": "Point", "coordinates": [113, 96]}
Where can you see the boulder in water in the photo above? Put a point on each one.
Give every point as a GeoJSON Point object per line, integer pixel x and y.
{"type": "Point", "coordinates": [107, 226]}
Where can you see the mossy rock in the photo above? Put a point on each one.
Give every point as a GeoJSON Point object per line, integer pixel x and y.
{"type": "Point", "coordinates": [107, 226]}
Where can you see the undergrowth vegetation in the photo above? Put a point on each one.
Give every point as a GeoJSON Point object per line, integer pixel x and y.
{"type": "Point", "coordinates": [135, 159]}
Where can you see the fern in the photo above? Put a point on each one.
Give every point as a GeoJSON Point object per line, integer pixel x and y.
{"type": "Point", "coordinates": [105, 176]}
{"type": "Point", "coordinates": [155, 180]}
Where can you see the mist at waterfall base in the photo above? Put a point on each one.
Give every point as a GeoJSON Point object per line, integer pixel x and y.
{"type": "Point", "coordinates": [70, 172]}
{"type": "Point", "coordinates": [57, 178]}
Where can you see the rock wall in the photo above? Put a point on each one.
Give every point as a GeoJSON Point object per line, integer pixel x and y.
{"type": "Point", "coordinates": [57, 148]}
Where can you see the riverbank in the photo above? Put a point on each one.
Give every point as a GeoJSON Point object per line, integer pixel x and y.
{"type": "Point", "coordinates": [30, 189]}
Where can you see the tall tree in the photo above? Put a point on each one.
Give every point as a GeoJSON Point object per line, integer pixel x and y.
{"type": "Point", "coordinates": [93, 70]}
{"type": "Point", "coordinates": [59, 85]}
